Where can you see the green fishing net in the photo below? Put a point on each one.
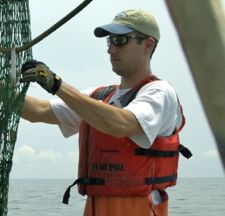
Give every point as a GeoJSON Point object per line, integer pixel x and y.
{"type": "Point", "coordinates": [14, 32]}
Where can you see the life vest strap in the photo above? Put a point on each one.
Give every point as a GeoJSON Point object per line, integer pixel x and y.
{"type": "Point", "coordinates": [185, 151]}
{"type": "Point", "coordinates": [155, 153]}
{"type": "Point", "coordinates": [159, 153]}
{"type": "Point", "coordinates": [91, 181]}
{"type": "Point", "coordinates": [102, 92]}
{"type": "Point", "coordinates": [101, 181]}
{"type": "Point", "coordinates": [160, 180]}
{"type": "Point", "coordinates": [84, 181]}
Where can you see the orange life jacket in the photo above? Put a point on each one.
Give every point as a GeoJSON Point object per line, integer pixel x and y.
{"type": "Point", "coordinates": [118, 166]}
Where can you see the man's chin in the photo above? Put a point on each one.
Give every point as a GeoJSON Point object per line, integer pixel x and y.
{"type": "Point", "coordinates": [116, 71]}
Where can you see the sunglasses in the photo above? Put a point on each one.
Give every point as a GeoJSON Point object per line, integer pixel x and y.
{"type": "Point", "coordinates": [120, 40]}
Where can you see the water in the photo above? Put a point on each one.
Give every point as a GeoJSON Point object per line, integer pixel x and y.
{"type": "Point", "coordinates": [198, 197]}
{"type": "Point", "coordinates": [43, 198]}
{"type": "Point", "coordinates": [191, 197]}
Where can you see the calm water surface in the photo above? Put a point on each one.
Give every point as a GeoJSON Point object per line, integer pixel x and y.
{"type": "Point", "coordinates": [191, 197]}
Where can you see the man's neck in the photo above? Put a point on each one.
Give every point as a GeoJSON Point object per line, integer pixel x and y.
{"type": "Point", "coordinates": [129, 82]}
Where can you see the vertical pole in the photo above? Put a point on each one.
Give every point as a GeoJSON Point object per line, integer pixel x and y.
{"type": "Point", "coordinates": [201, 29]}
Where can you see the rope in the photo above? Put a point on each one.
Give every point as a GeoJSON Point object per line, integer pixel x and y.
{"type": "Point", "coordinates": [48, 31]}
{"type": "Point", "coordinates": [13, 65]}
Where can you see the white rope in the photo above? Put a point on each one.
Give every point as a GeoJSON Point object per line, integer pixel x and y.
{"type": "Point", "coordinates": [13, 66]}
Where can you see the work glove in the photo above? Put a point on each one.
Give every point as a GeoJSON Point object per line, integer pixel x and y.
{"type": "Point", "coordinates": [35, 71]}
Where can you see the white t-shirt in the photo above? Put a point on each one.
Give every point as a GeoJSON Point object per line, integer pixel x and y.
{"type": "Point", "coordinates": [155, 106]}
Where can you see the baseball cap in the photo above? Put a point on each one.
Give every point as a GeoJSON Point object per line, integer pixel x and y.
{"type": "Point", "coordinates": [128, 21]}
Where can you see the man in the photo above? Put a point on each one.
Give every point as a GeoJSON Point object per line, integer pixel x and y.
{"type": "Point", "coordinates": [125, 131]}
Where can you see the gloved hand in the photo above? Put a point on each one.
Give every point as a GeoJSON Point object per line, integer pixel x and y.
{"type": "Point", "coordinates": [35, 71]}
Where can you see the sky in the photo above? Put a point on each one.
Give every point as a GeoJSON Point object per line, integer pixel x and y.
{"type": "Point", "coordinates": [81, 59]}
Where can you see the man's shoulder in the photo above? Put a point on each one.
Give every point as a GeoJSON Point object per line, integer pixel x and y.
{"type": "Point", "coordinates": [162, 85]}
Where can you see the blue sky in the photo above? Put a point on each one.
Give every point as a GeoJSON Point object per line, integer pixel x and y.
{"type": "Point", "coordinates": [82, 60]}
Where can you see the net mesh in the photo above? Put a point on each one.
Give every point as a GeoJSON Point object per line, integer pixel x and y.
{"type": "Point", "coordinates": [14, 32]}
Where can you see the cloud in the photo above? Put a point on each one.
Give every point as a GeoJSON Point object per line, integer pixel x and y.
{"type": "Point", "coordinates": [24, 152]}
{"type": "Point", "coordinates": [29, 162]}
{"type": "Point", "coordinates": [28, 154]}
{"type": "Point", "coordinates": [207, 154]}
{"type": "Point", "coordinates": [212, 153]}
{"type": "Point", "coordinates": [49, 155]}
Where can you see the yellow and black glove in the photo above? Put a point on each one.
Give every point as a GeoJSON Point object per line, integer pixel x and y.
{"type": "Point", "coordinates": [35, 71]}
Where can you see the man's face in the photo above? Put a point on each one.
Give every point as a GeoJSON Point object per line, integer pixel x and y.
{"type": "Point", "coordinates": [125, 53]}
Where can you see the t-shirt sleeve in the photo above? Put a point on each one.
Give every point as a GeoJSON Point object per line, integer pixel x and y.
{"type": "Point", "coordinates": [155, 108]}
{"type": "Point", "coordinates": [69, 120]}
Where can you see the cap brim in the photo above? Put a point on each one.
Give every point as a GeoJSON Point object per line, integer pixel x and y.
{"type": "Point", "coordinates": [112, 28]}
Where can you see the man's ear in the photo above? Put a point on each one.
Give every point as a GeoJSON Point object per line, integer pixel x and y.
{"type": "Point", "coordinates": [150, 43]}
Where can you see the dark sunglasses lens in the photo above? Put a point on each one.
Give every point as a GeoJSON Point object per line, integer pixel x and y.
{"type": "Point", "coordinates": [120, 40]}
{"type": "Point", "coordinates": [117, 40]}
